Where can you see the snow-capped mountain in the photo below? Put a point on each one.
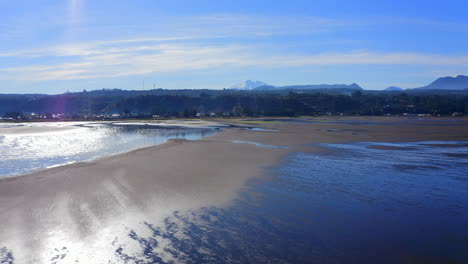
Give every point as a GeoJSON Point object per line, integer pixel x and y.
{"type": "Point", "coordinates": [248, 85]}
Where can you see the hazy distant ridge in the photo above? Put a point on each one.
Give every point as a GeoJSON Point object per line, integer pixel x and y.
{"type": "Point", "coordinates": [393, 88]}
{"type": "Point", "coordinates": [352, 86]}
{"type": "Point", "coordinates": [448, 83]}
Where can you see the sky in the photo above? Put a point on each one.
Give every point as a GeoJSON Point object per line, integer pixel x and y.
{"type": "Point", "coordinates": [54, 46]}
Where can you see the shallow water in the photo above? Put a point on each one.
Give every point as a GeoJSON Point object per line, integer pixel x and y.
{"type": "Point", "coordinates": [261, 129]}
{"type": "Point", "coordinates": [353, 205]}
{"type": "Point", "coordinates": [29, 152]}
{"type": "Point", "coordinates": [359, 203]}
{"type": "Point", "coordinates": [403, 121]}
{"type": "Point", "coordinates": [259, 144]}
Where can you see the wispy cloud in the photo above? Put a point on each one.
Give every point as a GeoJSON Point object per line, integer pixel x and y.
{"type": "Point", "coordinates": [91, 48]}
{"type": "Point", "coordinates": [229, 27]}
{"type": "Point", "coordinates": [196, 43]}
{"type": "Point", "coordinates": [144, 56]}
{"type": "Point", "coordinates": [206, 26]}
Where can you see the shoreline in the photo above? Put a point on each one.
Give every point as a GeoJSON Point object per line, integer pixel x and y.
{"type": "Point", "coordinates": [76, 135]}
{"type": "Point", "coordinates": [91, 161]}
{"type": "Point", "coordinates": [85, 203]}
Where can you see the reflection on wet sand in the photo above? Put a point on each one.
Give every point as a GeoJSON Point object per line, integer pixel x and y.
{"type": "Point", "coordinates": [315, 212]}
{"type": "Point", "coordinates": [6, 256]}
{"type": "Point", "coordinates": [348, 204]}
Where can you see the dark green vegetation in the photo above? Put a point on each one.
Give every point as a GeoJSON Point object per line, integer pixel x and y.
{"type": "Point", "coordinates": [190, 103]}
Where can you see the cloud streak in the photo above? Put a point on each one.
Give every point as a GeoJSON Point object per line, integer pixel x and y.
{"type": "Point", "coordinates": [158, 55]}
{"type": "Point", "coordinates": [198, 43]}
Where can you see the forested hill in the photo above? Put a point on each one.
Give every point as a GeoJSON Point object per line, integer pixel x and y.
{"type": "Point", "coordinates": [227, 102]}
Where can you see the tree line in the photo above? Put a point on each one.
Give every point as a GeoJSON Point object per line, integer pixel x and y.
{"type": "Point", "coordinates": [222, 103]}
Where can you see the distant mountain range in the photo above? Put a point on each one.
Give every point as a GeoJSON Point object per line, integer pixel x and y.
{"type": "Point", "coordinates": [448, 83]}
{"type": "Point", "coordinates": [352, 86]}
{"type": "Point", "coordinates": [444, 83]}
{"type": "Point", "coordinates": [259, 85]}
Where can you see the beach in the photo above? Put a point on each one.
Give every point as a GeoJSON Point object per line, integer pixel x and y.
{"type": "Point", "coordinates": [82, 207]}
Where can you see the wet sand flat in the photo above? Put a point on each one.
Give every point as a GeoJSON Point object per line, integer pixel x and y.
{"type": "Point", "coordinates": [84, 205]}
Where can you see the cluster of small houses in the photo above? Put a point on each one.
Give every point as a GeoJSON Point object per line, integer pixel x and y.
{"type": "Point", "coordinates": [65, 116]}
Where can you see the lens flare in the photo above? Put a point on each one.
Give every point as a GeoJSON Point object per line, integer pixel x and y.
{"type": "Point", "coordinates": [75, 11]}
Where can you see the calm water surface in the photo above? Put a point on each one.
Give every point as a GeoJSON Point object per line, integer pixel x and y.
{"type": "Point", "coordinates": [356, 204]}
{"type": "Point", "coordinates": [24, 153]}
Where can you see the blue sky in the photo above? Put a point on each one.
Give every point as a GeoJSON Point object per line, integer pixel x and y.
{"type": "Point", "coordinates": [52, 46]}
